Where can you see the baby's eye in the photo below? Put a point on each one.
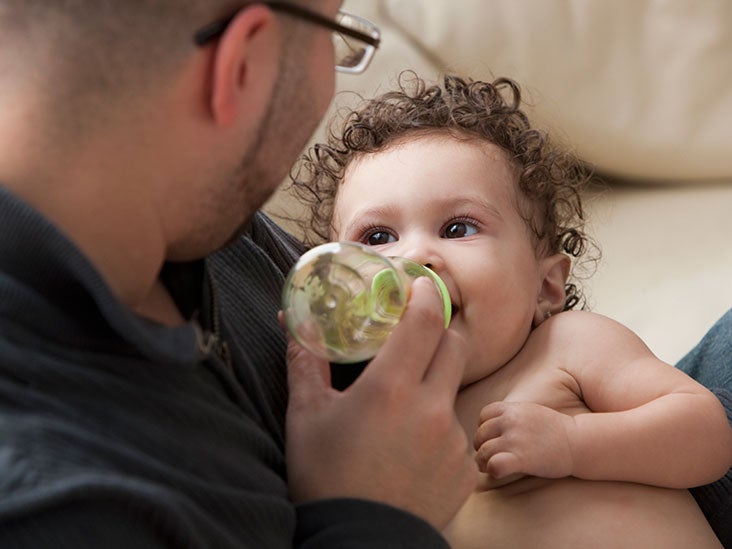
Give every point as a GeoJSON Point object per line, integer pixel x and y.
{"type": "Point", "coordinates": [459, 229]}
{"type": "Point", "coordinates": [377, 238]}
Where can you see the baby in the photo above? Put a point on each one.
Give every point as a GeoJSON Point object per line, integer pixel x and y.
{"type": "Point", "coordinates": [583, 437]}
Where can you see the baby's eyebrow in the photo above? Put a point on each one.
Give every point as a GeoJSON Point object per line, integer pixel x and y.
{"type": "Point", "coordinates": [363, 216]}
{"type": "Point", "coordinates": [387, 212]}
{"type": "Point", "coordinates": [475, 202]}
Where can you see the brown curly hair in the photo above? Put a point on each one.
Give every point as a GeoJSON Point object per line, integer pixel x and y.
{"type": "Point", "coordinates": [550, 177]}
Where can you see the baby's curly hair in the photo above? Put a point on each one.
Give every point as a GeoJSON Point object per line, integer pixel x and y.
{"type": "Point", "coordinates": [549, 176]}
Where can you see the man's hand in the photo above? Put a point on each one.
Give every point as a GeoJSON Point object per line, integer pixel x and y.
{"type": "Point", "coordinates": [523, 437]}
{"type": "Point", "coordinates": [392, 436]}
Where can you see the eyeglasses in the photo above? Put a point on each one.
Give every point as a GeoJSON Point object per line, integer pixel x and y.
{"type": "Point", "coordinates": [355, 39]}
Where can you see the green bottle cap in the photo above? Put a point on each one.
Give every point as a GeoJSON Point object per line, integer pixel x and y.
{"type": "Point", "coordinates": [446, 303]}
{"type": "Point", "coordinates": [385, 283]}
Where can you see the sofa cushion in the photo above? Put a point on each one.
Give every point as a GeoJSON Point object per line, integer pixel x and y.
{"type": "Point", "coordinates": [643, 88]}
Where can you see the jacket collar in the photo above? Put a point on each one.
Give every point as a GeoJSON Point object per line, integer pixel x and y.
{"type": "Point", "coordinates": [50, 289]}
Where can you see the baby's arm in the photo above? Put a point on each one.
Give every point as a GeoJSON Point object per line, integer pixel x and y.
{"type": "Point", "coordinates": [650, 424]}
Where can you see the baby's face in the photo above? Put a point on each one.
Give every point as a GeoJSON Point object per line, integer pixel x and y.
{"type": "Point", "coordinates": [451, 205]}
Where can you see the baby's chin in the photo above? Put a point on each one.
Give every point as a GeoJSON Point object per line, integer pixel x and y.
{"type": "Point", "coordinates": [473, 372]}
{"type": "Point", "coordinates": [480, 364]}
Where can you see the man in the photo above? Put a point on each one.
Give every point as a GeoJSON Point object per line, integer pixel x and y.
{"type": "Point", "coordinates": [138, 138]}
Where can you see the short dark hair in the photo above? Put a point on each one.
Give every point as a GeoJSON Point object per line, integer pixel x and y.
{"type": "Point", "coordinates": [550, 177]}
{"type": "Point", "coordinates": [144, 32]}
{"type": "Point", "coordinates": [93, 54]}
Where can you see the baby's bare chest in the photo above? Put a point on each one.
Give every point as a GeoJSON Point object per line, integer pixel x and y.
{"type": "Point", "coordinates": [549, 386]}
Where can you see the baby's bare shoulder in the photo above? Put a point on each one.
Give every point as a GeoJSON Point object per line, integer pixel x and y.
{"type": "Point", "coordinates": [585, 338]}
{"type": "Point", "coordinates": [584, 327]}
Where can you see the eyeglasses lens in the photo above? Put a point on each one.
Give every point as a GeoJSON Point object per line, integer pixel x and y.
{"type": "Point", "coordinates": [351, 54]}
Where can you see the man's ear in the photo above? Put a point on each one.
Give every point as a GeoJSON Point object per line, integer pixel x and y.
{"type": "Point", "coordinates": [552, 293]}
{"type": "Point", "coordinates": [245, 66]}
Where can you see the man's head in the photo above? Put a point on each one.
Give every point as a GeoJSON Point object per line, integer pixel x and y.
{"type": "Point", "coordinates": [127, 96]}
{"type": "Point", "coordinates": [92, 56]}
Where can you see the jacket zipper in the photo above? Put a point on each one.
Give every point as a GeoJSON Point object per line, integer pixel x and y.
{"type": "Point", "coordinates": [210, 341]}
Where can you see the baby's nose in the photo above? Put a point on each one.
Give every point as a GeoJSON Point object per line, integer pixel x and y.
{"type": "Point", "coordinates": [427, 257]}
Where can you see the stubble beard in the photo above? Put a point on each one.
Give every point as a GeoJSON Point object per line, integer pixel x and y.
{"type": "Point", "coordinates": [284, 131]}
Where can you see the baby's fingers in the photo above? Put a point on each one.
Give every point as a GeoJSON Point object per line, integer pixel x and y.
{"type": "Point", "coordinates": [495, 410]}
{"type": "Point", "coordinates": [495, 459]}
{"type": "Point", "coordinates": [502, 465]}
{"type": "Point", "coordinates": [488, 430]}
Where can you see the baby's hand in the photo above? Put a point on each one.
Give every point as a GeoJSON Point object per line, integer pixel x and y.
{"type": "Point", "coordinates": [523, 437]}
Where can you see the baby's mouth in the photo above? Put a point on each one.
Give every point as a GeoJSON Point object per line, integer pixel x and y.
{"type": "Point", "coordinates": [455, 309]}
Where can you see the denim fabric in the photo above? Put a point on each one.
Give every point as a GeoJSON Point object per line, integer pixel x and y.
{"type": "Point", "coordinates": [710, 363]}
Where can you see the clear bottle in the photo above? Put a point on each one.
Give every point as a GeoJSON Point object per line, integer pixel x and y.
{"type": "Point", "coordinates": [341, 300]}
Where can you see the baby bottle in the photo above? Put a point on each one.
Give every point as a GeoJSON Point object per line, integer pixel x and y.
{"type": "Point", "coordinates": [341, 300]}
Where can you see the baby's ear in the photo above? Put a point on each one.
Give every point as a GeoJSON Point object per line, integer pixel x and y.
{"type": "Point", "coordinates": [552, 294]}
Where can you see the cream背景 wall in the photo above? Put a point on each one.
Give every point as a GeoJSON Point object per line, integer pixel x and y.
{"type": "Point", "coordinates": [643, 90]}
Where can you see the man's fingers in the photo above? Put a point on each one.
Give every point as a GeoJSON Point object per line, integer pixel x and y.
{"type": "Point", "coordinates": [448, 365]}
{"type": "Point", "coordinates": [308, 376]}
{"type": "Point", "coordinates": [409, 350]}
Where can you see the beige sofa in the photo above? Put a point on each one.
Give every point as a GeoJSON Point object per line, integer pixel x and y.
{"type": "Point", "coordinates": [644, 90]}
